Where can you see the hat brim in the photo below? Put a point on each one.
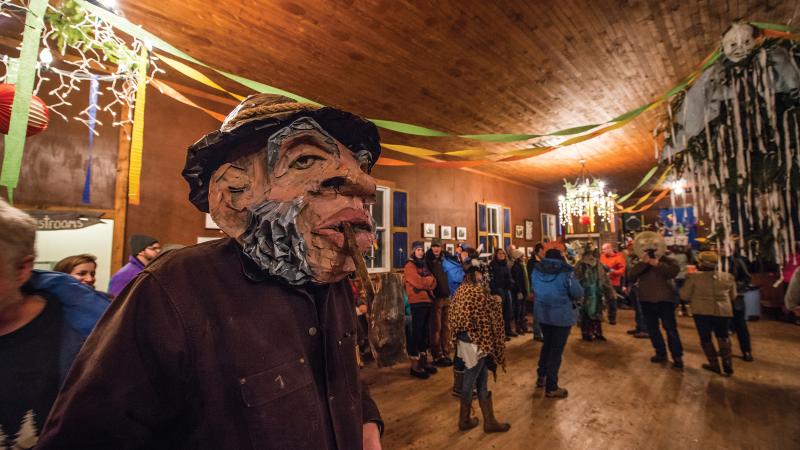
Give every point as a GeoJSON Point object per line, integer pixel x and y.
{"type": "Point", "coordinates": [206, 155]}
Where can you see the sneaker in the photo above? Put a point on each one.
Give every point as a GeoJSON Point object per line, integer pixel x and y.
{"type": "Point", "coordinates": [422, 375]}
{"type": "Point", "coordinates": [558, 393]}
{"type": "Point", "coordinates": [538, 338]}
{"type": "Point", "coordinates": [586, 337]}
{"type": "Point", "coordinates": [641, 335]}
{"type": "Point", "coordinates": [601, 338]}
{"type": "Point", "coordinates": [443, 362]}
{"type": "Point", "coordinates": [633, 331]}
{"type": "Point", "coordinates": [612, 322]}
{"type": "Point", "coordinates": [540, 382]}
{"type": "Point", "coordinates": [748, 357]}
{"type": "Point", "coordinates": [677, 364]}
{"type": "Point", "coordinates": [658, 359]}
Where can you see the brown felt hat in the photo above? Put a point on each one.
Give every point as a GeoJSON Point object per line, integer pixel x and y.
{"type": "Point", "coordinates": [258, 117]}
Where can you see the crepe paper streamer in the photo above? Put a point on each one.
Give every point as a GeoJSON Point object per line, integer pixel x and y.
{"type": "Point", "coordinates": [86, 198]}
{"type": "Point", "coordinates": [782, 35]}
{"type": "Point", "coordinates": [773, 27]}
{"type": "Point", "coordinates": [644, 198]}
{"type": "Point", "coordinates": [500, 137]}
{"type": "Point", "coordinates": [18, 126]}
{"type": "Point", "coordinates": [407, 128]}
{"type": "Point", "coordinates": [454, 164]}
{"type": "Point", "coordinates": [196, 75]}
{"type": "Point", "coordinates": [409, 150]}
{"type": "Point", "coordinates": [169, 91]}
{"type": "Point", "coordinates": [651, 204]}
{"type": "Point", "coordinates": [385, 161]}
{"type": "Point", "coordinates": [137, 135]}
{"type": "Point", "coordinates": [646, 178]}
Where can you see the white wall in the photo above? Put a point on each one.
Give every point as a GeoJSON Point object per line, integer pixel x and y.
{"type": "Point", "coordinates": [52, 246]}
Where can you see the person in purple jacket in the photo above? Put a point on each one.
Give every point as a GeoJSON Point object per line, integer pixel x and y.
{"type": "Point", "coordinates": [144, 250]}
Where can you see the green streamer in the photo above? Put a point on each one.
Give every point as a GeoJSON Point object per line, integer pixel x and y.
{"type": "Point", "coordinates": [641, 183]}
{"type": "Point", "coordinates": [407, 128]}
{"type": "Point", "coordinates": [772, 26]}
{"type": "Point", "coordinates": [18, 126]}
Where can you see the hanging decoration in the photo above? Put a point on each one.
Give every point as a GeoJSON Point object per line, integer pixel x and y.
{"type": "Point", "coordinates": [585, 200]}
{"type": "Point", "coordinates": [86, 197]}
{"type": "Point", "coordinates": [137, 138]}
{"type": "Point", "coordinates": [20, 106]}
{"type": "Point", "coordinates": [38, 116]}
{"type": "Point", "coordinates": [734, 135]}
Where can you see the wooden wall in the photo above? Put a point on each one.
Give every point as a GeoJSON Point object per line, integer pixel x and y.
{"type": "Point", "coordinates": [448, 197]}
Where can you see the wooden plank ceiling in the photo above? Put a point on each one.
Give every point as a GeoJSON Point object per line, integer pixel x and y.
{"type": "Point", "coordinates": [470, 66]}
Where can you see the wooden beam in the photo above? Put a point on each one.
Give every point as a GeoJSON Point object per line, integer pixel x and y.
{"type": "Point", "coordinates": [121, 195]}
{"type": "Point", "coordinates": [107, 213]}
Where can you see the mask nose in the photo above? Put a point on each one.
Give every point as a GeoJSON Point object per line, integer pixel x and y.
{"type": "Point", "coordinates": [353, 183]}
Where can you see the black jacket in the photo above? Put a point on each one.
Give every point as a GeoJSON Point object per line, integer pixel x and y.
{"type": "Point", "coordinates": [501, 277]}
{"type": "Point", "coordinates": [518, 275]}
{"type": "Point", "coordinates": [435, 266]}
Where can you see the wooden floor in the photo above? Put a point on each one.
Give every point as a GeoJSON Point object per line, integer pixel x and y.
{"type": "Point", "coordinates": [618, 399]}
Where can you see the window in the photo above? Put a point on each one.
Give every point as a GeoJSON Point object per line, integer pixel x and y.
{"type": "Point", "coordinates": [377, 258]}
{"type": "Point", "coordinates": [550, 227]}
{"type": "Point", "coordinates": [494, 227]}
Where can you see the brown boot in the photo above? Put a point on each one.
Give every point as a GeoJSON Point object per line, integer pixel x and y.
{"type": "Point", "coordinates": [725, 354]}
{"type": "Point", "coordinates": [711, 355]}
{"type": "Point", "coordinates": [465, 419]}
{"type": "Point", "coordinates": [490, 423]}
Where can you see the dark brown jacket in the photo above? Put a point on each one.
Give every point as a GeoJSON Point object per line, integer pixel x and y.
{"type": "Point", "coordinates": [203, 351]}
{"type": "Point", "coordinates": [656, 284]}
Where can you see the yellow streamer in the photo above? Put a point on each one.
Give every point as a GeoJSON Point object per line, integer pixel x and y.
{"type": "Point", "coordinates": [409, 150]}
{"type": "Point", "coordinates": [196, 75]}
{"type": "Point", "coordinates": [649, 194]}
{"type": "Point", "coordinates": [137, 138]}
{"type": "Point", "coordinates": [169, 91]}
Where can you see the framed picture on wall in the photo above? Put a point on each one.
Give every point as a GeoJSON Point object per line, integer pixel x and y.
{"type": "Point", "coordinates": [450, 248]}
{"type": "Point", "coordinates": [447, 232]}
{"type": "Point", "coordinates": [428, 230]}
{"type": "Point", "coordinates": [519, 231]}
{"type": "Point", "coordinates": [461, 233]}
{"type": "Point", "coordinates": [528, 230]}
{"type": "Point", "coordinates": [426, 246]}
{"type": "Point", "coordinates": [529, 252]}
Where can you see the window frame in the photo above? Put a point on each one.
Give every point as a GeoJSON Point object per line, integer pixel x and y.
{"type": "Point", "coordinates": [385, 243]}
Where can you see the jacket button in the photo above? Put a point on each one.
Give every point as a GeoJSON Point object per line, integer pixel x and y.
{"type": "Point", "coordinates": [302, 360]}
{"type": "Point", "coordinates": [330, 399]}
{"type": "Point", "coordinates": [312, 331]}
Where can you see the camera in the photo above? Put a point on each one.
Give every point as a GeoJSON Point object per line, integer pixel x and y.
{"type": "Point", "coordinates": [651, 253]}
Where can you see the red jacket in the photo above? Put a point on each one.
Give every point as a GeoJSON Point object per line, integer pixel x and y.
{"type": "Point", "coordinates": [616, 267]}
{"type": "Point", "coordinates": [419, 283]}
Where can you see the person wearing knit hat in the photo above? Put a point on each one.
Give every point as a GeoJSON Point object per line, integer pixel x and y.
{"type": "Point", "coordinates": [144, 249]}
{"type": "Point", "coordinates": [521, 288]}
{"type": "Point", "coordinates": [419, 283]}
{"type": "Point", "coordinates": [711, 294]}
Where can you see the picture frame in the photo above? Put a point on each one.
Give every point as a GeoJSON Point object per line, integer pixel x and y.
{"type": "Point", "coordinates": [529, 251]}
{"type": "Point", "coordinates": [428, 230]}
{"type": "Point", "coordinates": [519, 231]}
{"type": "Point", "coordinates": [446, 232]}
{"type": "Point", "coordinates": [528, 230]}
{"type": "Point", "coordinates": [450, 248]}
{"type": "Point", "coordinates": [426, 246]}
{"type": "Point", "coordinates": [461, 233]}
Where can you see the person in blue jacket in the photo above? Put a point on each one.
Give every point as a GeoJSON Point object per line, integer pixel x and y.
{"type": "Point", "coordinates": [453, 269]}
{"type": "Point", "coordinates": [557, 293]}
{"type": "Point", "coordinates": [44, 319]}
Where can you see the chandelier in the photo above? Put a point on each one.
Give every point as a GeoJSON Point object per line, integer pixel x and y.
{"type": "Point", "coordinates": [586, 199]}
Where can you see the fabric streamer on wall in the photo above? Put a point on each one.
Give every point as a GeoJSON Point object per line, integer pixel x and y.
{"type": "Point", "coordinates": [137, 135]}
{"type": "Point", "coordinates": [18, 127]}
{"type": "Point", "coordinates": [86, 198]}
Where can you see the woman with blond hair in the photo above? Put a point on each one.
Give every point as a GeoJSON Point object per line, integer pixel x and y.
{"type": "Point", "coordinates": [81, 267]}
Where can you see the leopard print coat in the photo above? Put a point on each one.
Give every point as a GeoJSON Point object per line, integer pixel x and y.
{"type": "Point", "coordinates": [473, 310]}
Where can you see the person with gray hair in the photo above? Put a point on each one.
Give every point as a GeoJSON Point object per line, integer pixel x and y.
{"type": "Point", "coordinates": [44, 318]}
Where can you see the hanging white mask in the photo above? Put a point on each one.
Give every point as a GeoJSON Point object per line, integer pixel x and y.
{"type": "Point", "coordinates": [738, 42]}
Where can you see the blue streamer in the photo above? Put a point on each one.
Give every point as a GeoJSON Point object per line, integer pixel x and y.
{"type": "Point", "coordinates": [87, 181]}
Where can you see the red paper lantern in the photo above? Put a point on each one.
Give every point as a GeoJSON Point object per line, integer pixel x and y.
{"type": "Point", "coordinates": [38, 116]}
{"type": "Point", "coordinates": [586, 220]}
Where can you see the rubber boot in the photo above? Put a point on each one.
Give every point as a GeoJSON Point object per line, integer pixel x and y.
{"type": "Point", "coordinates": [725, 354]}
{"type": "Point", "coordinates": [424, 365]}
{"type": "Point", "coordinates": [465, 419]}
{"type": "Point", "coordinates": [458, 381]}
{"type": "Point", "coordinates": [490, 423]}
{"type": "Point", "coordinates": [711, 355]}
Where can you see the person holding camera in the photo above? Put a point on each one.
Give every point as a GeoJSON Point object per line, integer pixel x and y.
{"type": "Point", "coordinates": [655, 273]}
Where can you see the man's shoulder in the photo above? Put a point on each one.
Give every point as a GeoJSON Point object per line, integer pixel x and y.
{"type": "Point", "coordinates": [207, 253]}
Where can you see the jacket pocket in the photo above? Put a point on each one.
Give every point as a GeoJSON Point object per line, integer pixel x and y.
{"type": "Point", "coordinates": [281, 407]}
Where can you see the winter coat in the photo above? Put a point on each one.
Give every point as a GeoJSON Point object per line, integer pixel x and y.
{"type": "Point", "coordinates": [616, 267]}
{"type": "Point", "coordinates": [656, 283]}
{"type": "Point", "coordinates": [556, 291]}
{"type": "Point", "coordinates": [419, 282]}
{"type": "Point", "coordinates": [711, 293]}
{"type": "Point", "coordinates": [124, 276]}
{"type": "Point", "coordinates": [792, 298]}
{"type": "Point", "coordinates": [521, 281]}
{"type": "Point", "coordinates": [82, 307]}
{"type": "Point", "coordinates": [596, 287]}
{"type": "Point", "coordinates": [454, 271]}
{"type": "Point", "coordinates": [500, 277]}
{"type": "Point", "coordinates": [434, 264]}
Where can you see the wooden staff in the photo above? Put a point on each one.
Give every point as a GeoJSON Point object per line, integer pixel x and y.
{"type": "Point", "coordinates": [361, 266]}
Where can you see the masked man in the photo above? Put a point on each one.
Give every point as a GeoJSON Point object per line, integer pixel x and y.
{"type": "Point", "coordinates": [247, 342]}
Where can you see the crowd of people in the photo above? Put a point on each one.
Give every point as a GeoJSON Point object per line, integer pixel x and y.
{"type": "Point", "coordinates": [471, 307]}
